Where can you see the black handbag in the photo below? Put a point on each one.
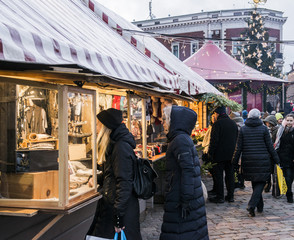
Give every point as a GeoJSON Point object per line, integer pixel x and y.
{"type": "Point", "coordinates": [144, 175]}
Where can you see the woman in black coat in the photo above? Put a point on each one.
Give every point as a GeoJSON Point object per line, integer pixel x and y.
{"type": "Point", "coordinates": [184, 209]}
{"type": "Point", "coordinates": [255, 144]}
{"type": "Point", "coordinates": [286, 153]}
{"type": "Point", "coordinates": [119, 208]}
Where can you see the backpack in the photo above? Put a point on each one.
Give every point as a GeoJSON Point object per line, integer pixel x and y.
{"type": "Point", "coordinates": [144, 175]}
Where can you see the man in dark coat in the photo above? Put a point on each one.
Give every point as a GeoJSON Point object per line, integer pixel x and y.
{"type": "Point", "coordinates": [221, 148]}
{"type": "Point", "coordinates": [184, 209]}
{"type": "Point", "coordinates": [256, 146]}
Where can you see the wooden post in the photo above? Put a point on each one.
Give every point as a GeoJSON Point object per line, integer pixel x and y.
{"type": "Point", "coordinates": [129, 111]}
{"type": "Point", "coordinates": [63, 175]}
{"type": "Point", "coordinates": [144, 128]}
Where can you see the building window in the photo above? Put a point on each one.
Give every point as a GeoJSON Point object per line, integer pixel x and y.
{"type": "Point", "coordinates": [236, 47]}
{"type": "Point", "coordinates": [247, 13]}
{"type": "Point", "coordinates": [272, 14]}
{"type": "Point", "coordinates": [194, 47]}
{"type": "Point", "coordinates": [273, 45]}
{"type": "Point", "coordinates": [139, 25]}
{"type": "Point", "coordinates": [214, 16]}
{"type": "Point", "coordinates": [175, 49]}
{"type": "Point", "coordinates": [175, 20]}
{"type": "Point", "coordinates": [157, 22]}
{"type": "Point", "coordinates": [237, 13]}
{"type": "Point", "coordinates": [194, 17]}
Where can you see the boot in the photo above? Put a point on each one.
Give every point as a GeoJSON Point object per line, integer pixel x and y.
{"type": "Point", "coordinates": [290, 197]}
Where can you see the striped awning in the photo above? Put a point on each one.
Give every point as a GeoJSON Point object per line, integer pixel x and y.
{"type": "Point", "coordinates": [189, 81]}
{"type": "Point", "coordinates": [68, 32]}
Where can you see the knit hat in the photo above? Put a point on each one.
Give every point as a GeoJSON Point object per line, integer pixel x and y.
{"type": "Point", "coordinates": [244, 113]}
{"type": "Point", "coordinates": [220, 110]}
{"type": "Point", "coordinates": [278, 116]}
{"type": "Point", "coordinates": [254, 113]}
{"type": "Point", "coordinates": [234, 115]}
{"type": "Point", "coordinates": [111, 118]}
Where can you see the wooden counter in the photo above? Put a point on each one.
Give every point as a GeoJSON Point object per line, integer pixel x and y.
{"type": "Point", "coordinates": [157, 157]}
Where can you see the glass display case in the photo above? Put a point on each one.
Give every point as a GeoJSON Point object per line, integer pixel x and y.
{"type": "Point", "coordinates": [47, 145]}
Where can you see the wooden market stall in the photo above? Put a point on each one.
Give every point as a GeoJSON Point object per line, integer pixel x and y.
{"type": "Point", "coordinates": [57, 72]}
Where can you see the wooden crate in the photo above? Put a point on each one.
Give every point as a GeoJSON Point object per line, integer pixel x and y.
{"type": "Point", "coordinates": [32, 185]}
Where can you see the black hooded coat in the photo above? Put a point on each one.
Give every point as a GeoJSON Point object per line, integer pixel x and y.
{"type": "Point", "coordinates": [257, 149]}
{"type": "Point", "coordinates": [117, 188]}
{"type": "Point", "coordinates": [184, 190]}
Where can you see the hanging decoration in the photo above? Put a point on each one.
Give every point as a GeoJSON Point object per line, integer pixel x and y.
{"type": "Point", "coordinates": [228, 88]}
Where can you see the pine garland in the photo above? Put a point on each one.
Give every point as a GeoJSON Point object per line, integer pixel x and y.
{"type": "Point", "coordinates": [219, 101]}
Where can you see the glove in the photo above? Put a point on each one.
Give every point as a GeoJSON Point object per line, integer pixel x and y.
{"type": "Point", "coordinates": [185, 208]}
{"type": "Point", "coordinates": [118, 221]}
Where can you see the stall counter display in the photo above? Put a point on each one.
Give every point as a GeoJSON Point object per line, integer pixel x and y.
{"type": "Point", "coordinates": [39, 166]}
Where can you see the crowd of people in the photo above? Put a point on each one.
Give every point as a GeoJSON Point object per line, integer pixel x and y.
{"type": "Point", "coordinates": [249, 145]}
{"type": "Point", "coordinates": [247, 148]}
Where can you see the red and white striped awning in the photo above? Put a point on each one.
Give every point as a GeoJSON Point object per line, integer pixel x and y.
{"type": "Point", "coordinates": [189, 81]}
{"type": "Point", "coordinates": [68, 32]}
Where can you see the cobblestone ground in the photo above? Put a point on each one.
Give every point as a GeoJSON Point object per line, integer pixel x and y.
{"type": "Point", "coordinates": [231, 221]}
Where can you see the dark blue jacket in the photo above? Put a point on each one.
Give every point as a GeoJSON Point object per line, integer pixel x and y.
{"type": "Point", "coordinates": [255, 145]}
{"type": "Point", "coordinates": [184, 181]}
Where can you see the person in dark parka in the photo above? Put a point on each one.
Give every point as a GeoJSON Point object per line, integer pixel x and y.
{"type": "Point", "coordinates": [223, 139]}
{"type": "Point", "coordinates": [184, 209]}
{"type": "Point", "coordinates": [255, 145]}
{"type": "Point", "coordinates": [119, 207]}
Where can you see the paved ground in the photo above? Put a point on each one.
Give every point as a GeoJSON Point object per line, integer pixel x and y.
{"type": "Point", "coordinates": [231, 221]}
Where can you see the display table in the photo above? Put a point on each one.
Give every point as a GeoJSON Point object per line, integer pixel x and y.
{"type": "Point", "coordinates": [157, 157]}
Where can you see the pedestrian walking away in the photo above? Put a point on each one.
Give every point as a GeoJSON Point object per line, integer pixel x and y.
{"type": "Point", "coordinates": [184, 208]}
{"type": "Point", "coordinates": [119, 207]}
{"type": "Point", "coordinates": [256, 147]}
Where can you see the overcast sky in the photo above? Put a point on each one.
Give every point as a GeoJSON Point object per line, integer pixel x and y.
{"type": "Point", "coordinates": [139, 10]}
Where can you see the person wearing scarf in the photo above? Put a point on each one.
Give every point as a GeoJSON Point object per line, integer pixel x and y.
{"type": "Point", "coordinates": [284, 145]}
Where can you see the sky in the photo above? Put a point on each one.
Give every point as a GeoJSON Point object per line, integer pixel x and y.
{"type": "Point", "coordinates": [139, 10]}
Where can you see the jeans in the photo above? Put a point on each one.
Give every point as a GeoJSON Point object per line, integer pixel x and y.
{"type": "Point", "coordinates": [218, 170]}
{"type": "Point", "coordinates": [289, 175]}
{"type": "Point", "coordinates": [256, 197]}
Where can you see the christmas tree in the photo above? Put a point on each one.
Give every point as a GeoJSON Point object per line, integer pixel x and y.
{"type": "Point", "coordinates": [257, 52]}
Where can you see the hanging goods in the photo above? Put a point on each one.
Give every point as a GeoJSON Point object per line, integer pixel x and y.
{"type": "Point", "coordinates": [281, 181]}
{"type": "Point", "coordinates": [144, 175]}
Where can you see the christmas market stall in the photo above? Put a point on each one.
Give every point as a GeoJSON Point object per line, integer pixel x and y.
{"type": "Point", "coordinates": [240, 82]}
{"type": "Point", "coordinates": [57, 72]}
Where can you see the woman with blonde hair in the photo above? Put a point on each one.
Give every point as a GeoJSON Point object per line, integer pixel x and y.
{"type": "Point", "coordinates": [184, 208]}
{"type": "Point", "coordinates": [119, 208]}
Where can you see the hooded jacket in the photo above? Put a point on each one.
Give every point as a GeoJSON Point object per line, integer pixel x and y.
{"type": "Point", "coordinates": [274, 128]}
{"type": "Point", "coordinates": [255, 144]}
{"type": "Point", "coordinates": [184, 216]}
{"type": "Point", "coordinates": [117, 189]}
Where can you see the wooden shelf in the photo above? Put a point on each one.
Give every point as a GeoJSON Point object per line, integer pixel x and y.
{"type": "Point", "coordinates": [18, 212]}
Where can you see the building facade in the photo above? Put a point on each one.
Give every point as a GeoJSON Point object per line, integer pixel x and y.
{"type": "Point", "coordinates": [224, 24]}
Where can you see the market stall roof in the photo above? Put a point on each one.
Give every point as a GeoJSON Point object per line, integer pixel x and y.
{"type": "Point", "coordinates": [189, 81]}
{"type": "Point", "coordinates": [68, 32]}
{"type": "Point", "coordinates": [213, 64]}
